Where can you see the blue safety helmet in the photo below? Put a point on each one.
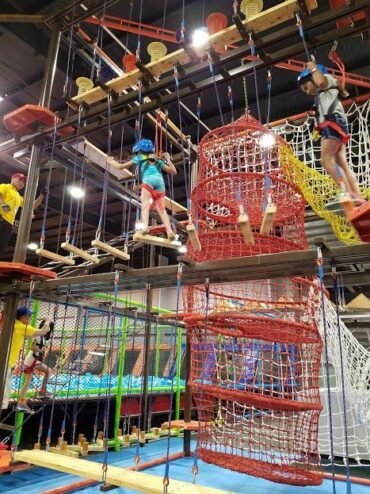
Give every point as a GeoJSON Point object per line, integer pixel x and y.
{"type": "Point", "coordinates": [306, 75]}
{"type": "Point", "coordinates": [143, 146]}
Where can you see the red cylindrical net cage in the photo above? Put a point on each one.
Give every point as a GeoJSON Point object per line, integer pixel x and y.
{"type": "Point", "coordinates": [255, 345]}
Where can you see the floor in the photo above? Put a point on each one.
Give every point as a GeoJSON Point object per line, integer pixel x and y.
{"type": "Point", "coordinates": [39, 480]}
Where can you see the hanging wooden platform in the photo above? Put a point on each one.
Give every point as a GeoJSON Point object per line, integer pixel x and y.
{"type": "Point", "coordinates": [174, 206]}
{"type": "Point", "coordinates": [80, 253]}
{"type": "Point", "coordinates": [97, 156]}
{"type": "Point", "coordinates": [121, 477]}
{"type": "Point", "coordinates": [359, 302]}
{"type": "Point", "coordinates": [23, 120]}
{"type": "Point", "coordinates": [360, 219]}
{"type": "Point", "coordinates": [267, 19]}
{"type": "Point", "coordinates": [152, 240]}
{"type": "Point", "coordinates": [55, 257]}
{"type": "Point", "coordinates": [268, 219]}
{"type": "Point", "coordinates": [110, 250]}
{"type": "Point", "coordinates": [23, 271]}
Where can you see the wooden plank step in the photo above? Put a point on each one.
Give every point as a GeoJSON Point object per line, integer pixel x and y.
{"type": "Point", "coordinates": [267, 19]}
{"type": "Point", "coordinates": [152, 240]}
{"type": "Point", "coordinates": [122, 477]}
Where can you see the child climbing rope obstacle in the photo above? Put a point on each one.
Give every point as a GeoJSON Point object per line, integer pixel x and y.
{"type": "Point", "coordinates": [32, 362]}
{"type": "Point", "coordinates": [22, 330]}
{"type": "Point", "coordinates": [315, 80]}
{"type": "Point", "coordinates": [153, 190]}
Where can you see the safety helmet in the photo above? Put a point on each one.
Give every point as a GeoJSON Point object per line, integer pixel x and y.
{"type": "Point", "coordinates": [306, 74]}
{"type": "Point", "coordinates": [143, 146]}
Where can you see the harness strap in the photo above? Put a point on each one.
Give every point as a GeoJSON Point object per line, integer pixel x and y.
{"type": "Point", "coordinates": [344, 137]}
{"type": "Point", "coordinates": [150, 160]}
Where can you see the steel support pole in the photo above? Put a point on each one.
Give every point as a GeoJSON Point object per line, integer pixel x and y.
{"type": "Point", "coordinates": [11, 299]}
{"type": "Point", "coordinates": [20, 251]}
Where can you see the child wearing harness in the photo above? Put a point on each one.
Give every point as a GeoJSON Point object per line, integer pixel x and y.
{"type": "Point", "coordinates": [332, 128]}
{"type": "Point", "coordinates": [32, 362]}
{"type": "Point", "coordinates": [153, 191]}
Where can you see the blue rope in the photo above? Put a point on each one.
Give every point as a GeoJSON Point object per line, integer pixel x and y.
{"type": "Point", "coordinates": [252, 47]}
{"type": "Point", "coordinates": [172, 377]}
{"type": "Point", "coordinates": [320, 269]}
{"type": "Point", "coordinates": [336, 293]}
{"type": "Point", "coordinates": [210, 62]}
{"type": "Point", "coordinates": [195, 462]}
{"type": "Point", "coordinates": [186, 179]}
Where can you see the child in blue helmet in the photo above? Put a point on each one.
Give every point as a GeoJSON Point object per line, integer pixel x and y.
{"type": "Point", "coordinates": [333, 126]}
{"type": "Point", "coordinates": [153, 190]}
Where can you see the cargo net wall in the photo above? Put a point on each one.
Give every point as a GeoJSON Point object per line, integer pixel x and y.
{"type": "Point", "coordinates": [356, 372]}
{"type": "Point", "coordinates": [256, 348]}
{"type": "Point", "coordinates": [83, 353]}
{"type": "Point", "coordinates": [306, 171]}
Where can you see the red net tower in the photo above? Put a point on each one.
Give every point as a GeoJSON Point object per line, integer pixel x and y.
{"type": "Point", "coordinates": [255, 345]}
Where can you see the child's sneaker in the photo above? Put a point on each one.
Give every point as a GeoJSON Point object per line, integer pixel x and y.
{"type": "Point", "coordinates": [23, 407]}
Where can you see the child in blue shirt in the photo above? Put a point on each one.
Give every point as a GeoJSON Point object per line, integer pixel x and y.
{"type": "Point", "coordinates": [153, 190]}
{"type": "Point", "coordinates": [333, 127]}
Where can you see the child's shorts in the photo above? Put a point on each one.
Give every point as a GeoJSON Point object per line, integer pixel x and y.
{"type": "Point", "coordinates": [330, 133]}
{"type": "Point", "coordinates": [30, 363]}
{"type": "Point", "coordinates": [158, 196]}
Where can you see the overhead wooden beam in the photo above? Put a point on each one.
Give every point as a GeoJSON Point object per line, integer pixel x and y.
{"type": "Point", "coordinates": [265, 20]}
{"type": "Point", "coordinates": [121, 477]}
{"type": "Point", "coordinates": [33, 19]}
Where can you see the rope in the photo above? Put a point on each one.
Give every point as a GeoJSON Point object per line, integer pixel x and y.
{"type": "Point", "coordinates": [301, 33]}
{"type": "Point", "coordinates": [166, 480]}
{"type": "Point", "coordinates": [252, 48]}
{"type": "Point", "coordinates": [109, 387]}
{"type": "Point", "coordinates": [195, 468]}
{"type": "Point", "coordinates": [186, 179]}
{"type": "Point", "coordinates": [320, 269]}
{"type": "Point", "coordinates": [245, 89]}
{"type": "Point", "coordinates": [103, 205]}
{"type": "Point", "coordinates": [210, 62]}
{"type": "Point", "coordinates": [337, 298]}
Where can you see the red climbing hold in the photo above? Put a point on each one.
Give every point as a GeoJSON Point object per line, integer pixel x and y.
{"type": "Point", "coordinates": [360, 219]}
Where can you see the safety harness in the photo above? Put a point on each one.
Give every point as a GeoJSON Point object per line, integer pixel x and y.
{"type": "Point", "coordinates": [151, 159]}
{"type": "Point", "coordinates": [327, 123]}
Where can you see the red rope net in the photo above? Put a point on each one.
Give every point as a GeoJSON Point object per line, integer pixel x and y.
{"type": "Point", "coordinates": [255, 345]}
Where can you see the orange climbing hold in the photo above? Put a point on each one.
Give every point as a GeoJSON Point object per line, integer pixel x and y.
{"type": "Point", "coordinates": [360, 219]}
{"type": "Point", "coordinates": [22, 121]}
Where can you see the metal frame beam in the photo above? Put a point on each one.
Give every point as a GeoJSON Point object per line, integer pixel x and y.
{"type": "Point", "coordinates": [299, 263]}
{"type": "Point", "coordinates": [208, 82]}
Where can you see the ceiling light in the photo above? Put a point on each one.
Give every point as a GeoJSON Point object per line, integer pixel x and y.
{"type": "Point", "coordinates": [182, 249]}
{"type": "Point", "coordinates": [32, 246]}
{"type": "Point", "coordinates": [200, 38]}
{"type": "Point", "coordinates": [267, 140]}
{"type": "Point", "coordinates": [1, 98]}
{"type": "Point", "coordinates": [76, 192]}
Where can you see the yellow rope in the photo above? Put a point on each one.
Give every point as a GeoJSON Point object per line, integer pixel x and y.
{"type": "Point", "coordinates": [318, 190]}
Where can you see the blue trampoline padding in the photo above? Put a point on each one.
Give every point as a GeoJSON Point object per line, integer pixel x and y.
{"type": "Point", "coordinates": [37, 480]}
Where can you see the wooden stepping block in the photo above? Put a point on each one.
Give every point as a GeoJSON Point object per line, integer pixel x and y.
{"type": "Point", "coordinates": [160, 242]}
